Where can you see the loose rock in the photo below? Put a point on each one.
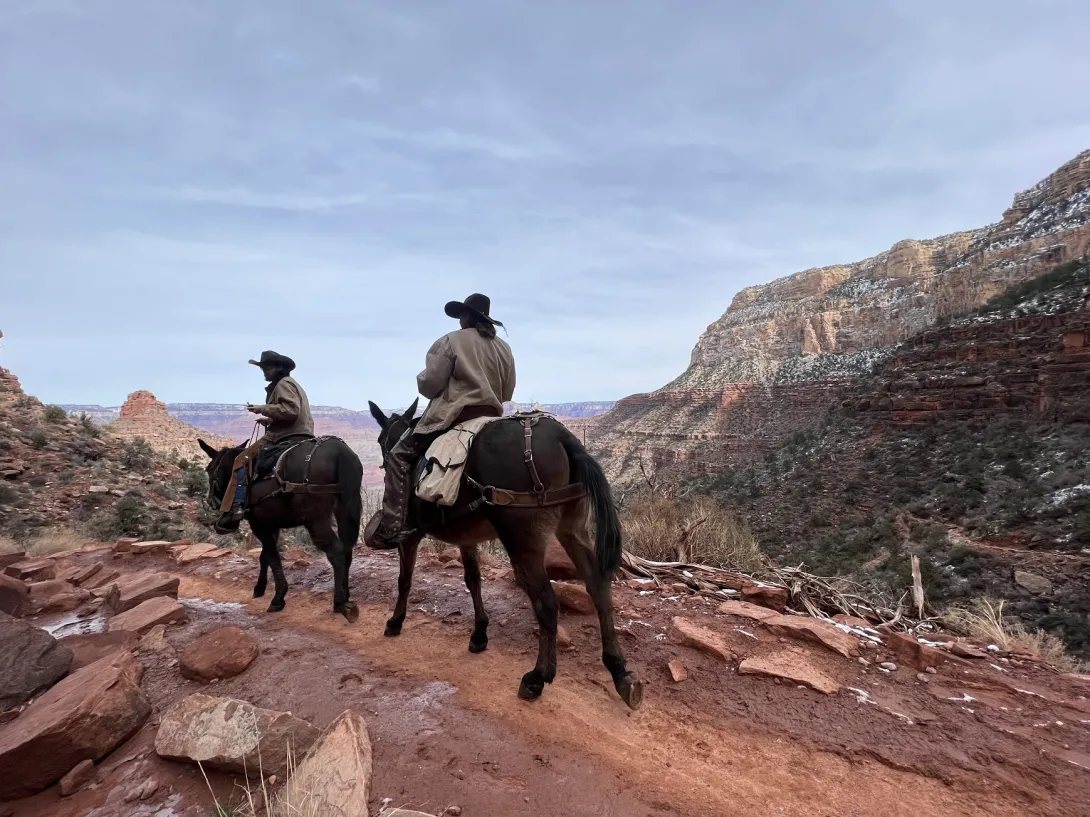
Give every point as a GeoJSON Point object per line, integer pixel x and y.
{"type": "Point", "coordinates": [84, 717]}
{"type": "Point", "coordinates": [137, 588]}
{"type": "Point", "coordinates": [103, 578]}
{"type": "Point", "coordinates": [766, 596]}
{"type": "Point", "coordinates": [82, 774]}
{"type": "Point", "coordinates": [888, 666]}
{"type": "Point", "coordinates": [32, 570]}
{"type": "Point", "coordinates": [54, 596]}
{"type": "Point", "coordinates": [913, 653]}
{"type": "Point", "coordinates": [230, 735]}
{"type": "Point", "coordinates": [814, 631]}
{"type": "Point", "coordinates": [155, 640]}
{"type": "Point", "coordinates": [574, 598]}
{"type": "Point", "coordinates": [91, 647]}
{"type": "Point", "coordinates": [966, 651]}
{"type": "Point", "coordinates": [793, 666]}
{"type": "Point", "coordinates": [161, 610]}
{"type": "Point", "coordinates": [335, 776]}
{"type": "Point", "coordinates": [32, 661]}
{"type": "Point", "coordinates": [678, 673]}
{"type": "Point", "coordinates": [222, 653]}
{"type": "Point", "coordinates": [690, 634]}
{"type": "Point", "coordinates": [1037, 585]}
{"type": "Point", "coordinates": [744, 609]}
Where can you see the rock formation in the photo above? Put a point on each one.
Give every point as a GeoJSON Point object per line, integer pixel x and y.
{"type": "Point", "coordinates": [9, 386]}
{"type": "Point", "coordinates": [144, 416]}
{"type": "Point", "coordinates": [782, 353]}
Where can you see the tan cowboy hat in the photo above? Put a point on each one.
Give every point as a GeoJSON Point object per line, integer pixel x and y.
{"type": "Point", "coordinates": [476, 305]}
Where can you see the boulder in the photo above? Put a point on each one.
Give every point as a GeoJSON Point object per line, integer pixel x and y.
{"type": "Point", "coordinates": [160, 610]}
{"type": "Point", "coordinates": [914, 654]}
{"type": "Point", "coordinates": [1031, 582]}
{"type": "Point", "coordinates": [155, 640]}
{"type": "Point", "coordinates": [91, 647]}
{"type": "Point", "coordinates": [13, 596]}
{"type": "Point", "coordinates": [137, 588]}
{"type": "Point", "coordinates": [450, 555]}
{"type": "Point", "coordinates": [84, 717]}
{"type": "Point", "coordinates": [744, 609]}
{"type": "Point", "coordinates": [232, 735]}
{"type": "Point", "coordinates": [222, 653]}
{"type": "Point", "coordinates": [335, 776]}
{"type": "Point", "coordinates": [966, 651]}
{"type": "Point", "coordinates": [558, 565]}
{"type": "Point", "coordinates": [809, 629]}
{"type": "Point", "coordinates": [32, 570]}
{"type": "Point", "coordinates": [81, 575]}
{"type": "Point", "coordinates": [766, 595]}
{"type": "Point", "coordinates": [690, 634]}
{"type": "Point", "coordinates": [54, 596]}
{"type": "Point", "coordinates": [32, 661]}
{"type": "Point", "coordinates": [793, 666]}
{"type": "Point", "coordinates": [677, 670]}
{"type": "Point", "coordinates": [574, 598]}
{"type": "Point", "coordinates": [80, 775]}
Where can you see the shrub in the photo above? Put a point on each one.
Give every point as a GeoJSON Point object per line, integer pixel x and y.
{"type": "Point", "coordinates": [55, 414]}
{"type": "Point", "coordinates": [137, 453]}
{"type": "Point", "coordinates": [38, 438]}
{"type": "Point", "coordinates": [88, 426]}
{"type": "Point", "coordinates": [195, 482]}
{"type": "Point", "coordinates": [667, 528]}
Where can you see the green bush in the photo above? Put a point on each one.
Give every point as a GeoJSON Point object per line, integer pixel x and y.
{"type": "Point", "coordinates": [195, 482]}
{"type": "Point", "coordinates": [137, 453]}
{"type": "Point", "coordinates": [38, 438]}
{"type": "Point", "coordinates": [88, 426]}
{"type": "Point", "coordinates": [55, 414]}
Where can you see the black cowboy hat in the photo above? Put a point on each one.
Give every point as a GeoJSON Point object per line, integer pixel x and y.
{"type": "Point", "coordinates": [269, 358]}
{"type": "Point", "coordinates": [476, 305]}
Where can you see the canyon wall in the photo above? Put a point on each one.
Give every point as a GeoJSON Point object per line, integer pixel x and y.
{"type": "Point", "coordinates": [142, 415]}
{"type": "Point", "coordinates": [785, 352]}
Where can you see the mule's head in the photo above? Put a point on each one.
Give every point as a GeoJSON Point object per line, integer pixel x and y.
{"type": "Point", "coordinates": [218, 470]}
{"type": "Point", "coordinates": [394, 426]}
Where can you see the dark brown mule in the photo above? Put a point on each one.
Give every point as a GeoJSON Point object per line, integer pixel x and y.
{"type": "Point", "coordinates": [497, 459]}
{"type": "Point", "coordinates": [270, 509]}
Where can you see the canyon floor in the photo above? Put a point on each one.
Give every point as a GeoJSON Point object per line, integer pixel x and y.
{"type": "Point", "coordinates": [1003, 738]}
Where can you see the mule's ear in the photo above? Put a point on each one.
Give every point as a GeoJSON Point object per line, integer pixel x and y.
{"type": "Point", "coordinates": [206, 448]}
{"type": "Point", "coordinates": [376, 412]}
{"type": "Point", "coordinates": [411, 411]}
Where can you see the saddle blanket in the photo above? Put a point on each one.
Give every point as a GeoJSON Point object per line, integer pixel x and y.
{"type": "Point", "coordinates": [445, 460]}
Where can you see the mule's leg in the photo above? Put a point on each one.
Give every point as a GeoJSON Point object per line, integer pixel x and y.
{"type": "Point", "coordinates": [270, 557]}
{"type": "Point", "coordinates": [575, 536]}
{"type": "Point", "coordinates": [523, 537]}
{"type": "Point", "coordinates": [478, 641]}
{"type": "Point", "coordinates": [331, 545]}
{"type": "Point", "coordinates": [262, 575]}
{"type": "Point", "coordinates": [407, 557]}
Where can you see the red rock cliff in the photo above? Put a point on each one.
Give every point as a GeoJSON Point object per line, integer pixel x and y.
{"type": "Point", "coordinates": [143, 415]}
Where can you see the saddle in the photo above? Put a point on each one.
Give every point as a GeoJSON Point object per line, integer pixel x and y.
{"type": "Point", "coordinates": [441, 473]}
{"type": "Point", "coordinates": [268, 465]}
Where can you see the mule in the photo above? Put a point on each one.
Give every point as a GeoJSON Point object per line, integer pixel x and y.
{"type": "Point", "coordinates": [323, 477]}
{"type": "Point", "coordinates": [498, 457]}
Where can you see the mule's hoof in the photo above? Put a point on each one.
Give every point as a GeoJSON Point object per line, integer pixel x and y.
{"type": "Point", "coordinates": [393, 629]}
{"type": "Point", "coordinates": [630, 688]}
{"type": "Point", "coordinates": [478, 646]}
{"type": "Point", "coordinates": [350, 611]}
{"type": "Point", "coordinates": [259, 591]}
{"type": "Point", "coordinates": [531, 687]}
{"type": "Point", "coordinates": [276, 605]}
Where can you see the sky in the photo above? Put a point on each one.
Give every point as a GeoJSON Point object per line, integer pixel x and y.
{"type": "Point", "coordinates": [184, 184]}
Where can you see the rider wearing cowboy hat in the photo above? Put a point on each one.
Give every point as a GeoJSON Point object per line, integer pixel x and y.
{"type": "Point", "coordinates": [285, 413]}
{"type": "Point", "coordinates": [469, 373]}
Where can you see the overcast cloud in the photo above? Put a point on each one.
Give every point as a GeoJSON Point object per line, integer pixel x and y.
{"type": "Point", "coordinates": [184, 184]}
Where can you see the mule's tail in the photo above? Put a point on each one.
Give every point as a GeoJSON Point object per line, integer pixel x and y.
{"type": "Point", "coordinates": [586, 471]}
{"type": "Point", "coordinates": [349, 501]}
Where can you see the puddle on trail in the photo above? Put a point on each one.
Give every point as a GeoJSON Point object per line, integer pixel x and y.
{"type": "Point", "coordinates": [209, 606]}
{"type": "Point", "coordinates": [71, 624]}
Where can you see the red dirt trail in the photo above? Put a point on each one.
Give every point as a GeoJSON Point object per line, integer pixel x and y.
{"type": "Point", "coordinates": [448, 729]}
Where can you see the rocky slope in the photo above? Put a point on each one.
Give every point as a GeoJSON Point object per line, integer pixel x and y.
{"type": "Point", "coordinates": [967, 448]}
{"type": "Point", "coordinates": [784, 351]}
{"type": "Point", "coordinates": [142, 416]}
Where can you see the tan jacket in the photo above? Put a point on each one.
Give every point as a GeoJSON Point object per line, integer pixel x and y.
{"type": "Point", "coordinates": [464, 369]}
{"type": "Point", "coordinates": [288, 411]}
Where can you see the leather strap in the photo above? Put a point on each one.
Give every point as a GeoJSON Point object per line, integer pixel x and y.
{"type": "Point", "coordinates": [528, 456]}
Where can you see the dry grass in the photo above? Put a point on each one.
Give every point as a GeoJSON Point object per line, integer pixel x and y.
{"type": "Point", "coordinates": [698, 531]}
{"type": "Point", "coordinates": [53, 540]}
{"type": "Point", "coordinates": [983, 619]}
{"type": "Point", "coordinates": [9, 546]}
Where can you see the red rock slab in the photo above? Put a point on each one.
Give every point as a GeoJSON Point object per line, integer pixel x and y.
{"type": "Point", "coordinates": [766, 596]}
{"type": "Point", "coordinates": [793, 666]}
{"type": "Point", "coordinates": [809, 629]}
{"type": "Point", "coordinates": [140, 619]}
{"type": "Point", "coordinates": [7, 559]}
{"type": "Point", "coordinates": [13, 596]}
{"type": "Point", "coordinates": [137, 588]}
{"type": "Point", "coordinates": [677, 671]}
{"type": "Point", "coordinates": [193, 552]}
{"type": "Point", "coordinates": [84, 717]}
{"type": "Point", "coordinates": [746, 610]}
{"type": "Point", "coordinates": [574, 598]}
{"type": "Point", "coordinates": [82, 774]}
{"type": "Point", "coordinates": [87, 648]}
{"type": "Point", "coordinates": [155, 546]}
{"type": "Point", "coordinates": [54, 596]}
{"type": "Point", "coordinates": [82, 575]}
{"type": "Point", "coordinates": [690, 634]}
{"type": "Point", "coordinates": [911, 652]}
{"type": "Point", "coordinates": [32, 570]}
{"type": "Point", "coordinates": [125, 544]}
{"type": "Point", "coordinates": [102, 578]}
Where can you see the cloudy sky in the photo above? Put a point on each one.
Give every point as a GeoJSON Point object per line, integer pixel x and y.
{"type": "Point", "coordinates": [184, 183]}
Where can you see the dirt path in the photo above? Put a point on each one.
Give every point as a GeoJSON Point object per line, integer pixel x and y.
{"type": "Point", "coordinates": [448, 728]}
